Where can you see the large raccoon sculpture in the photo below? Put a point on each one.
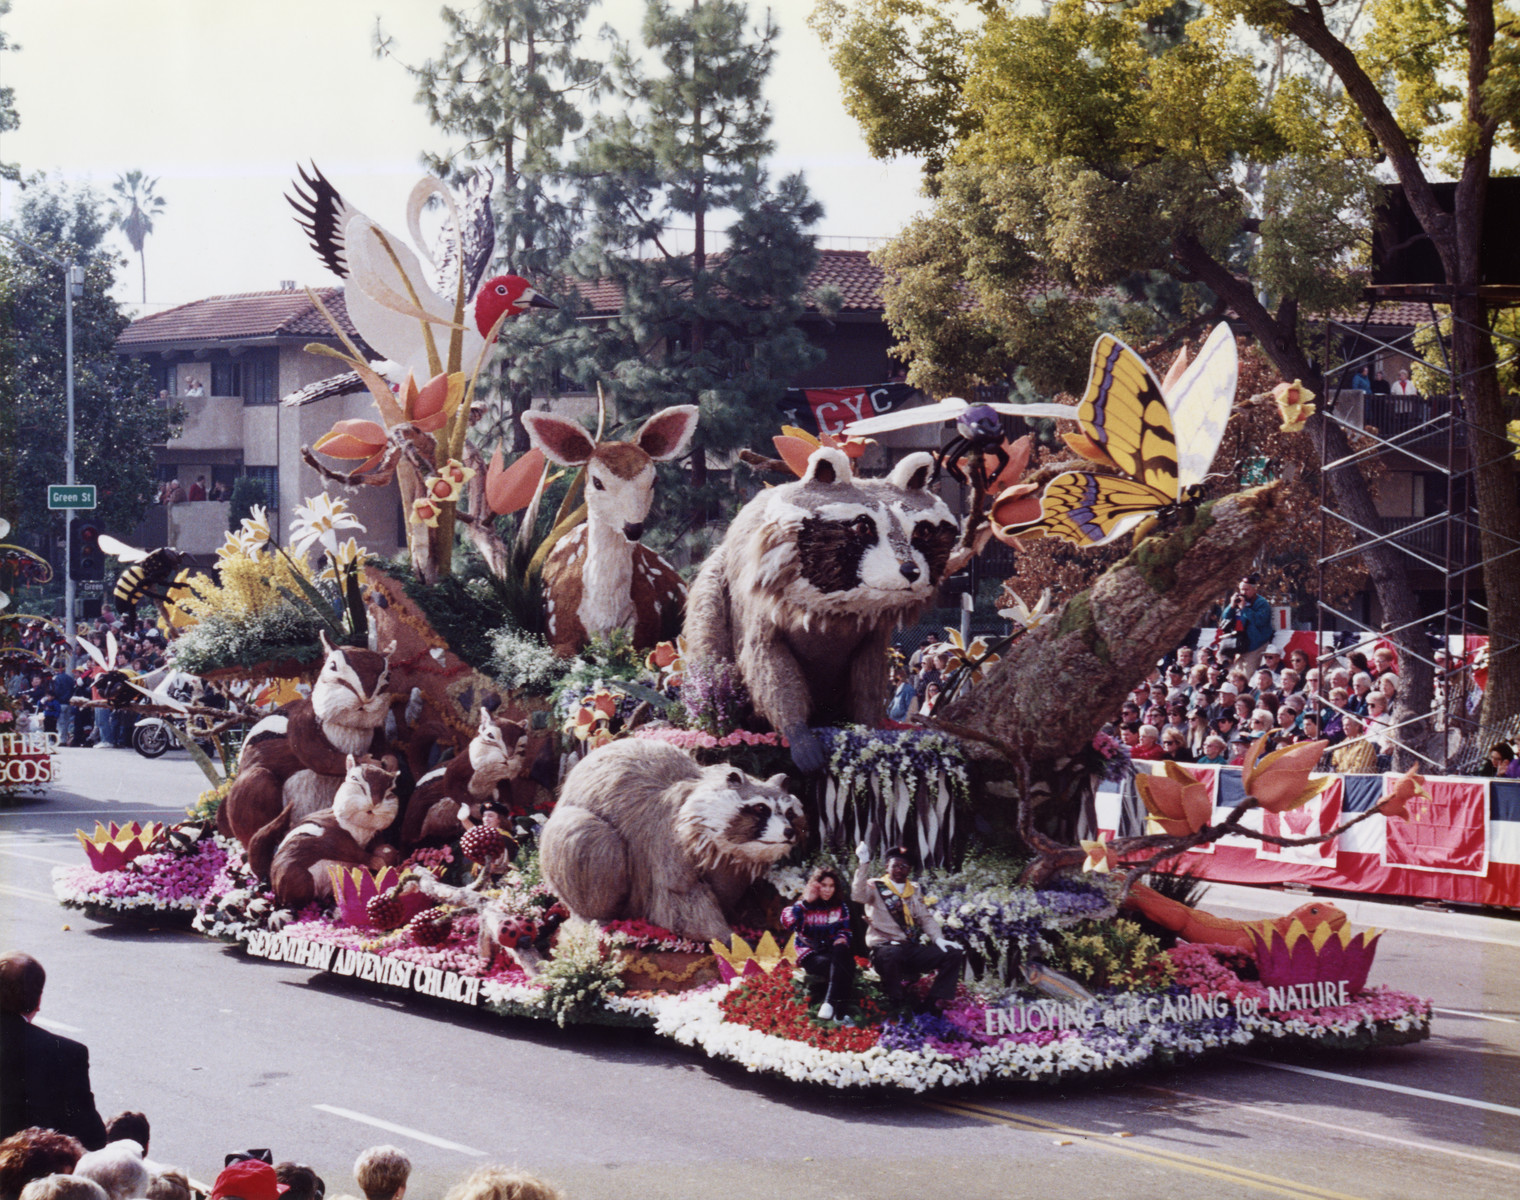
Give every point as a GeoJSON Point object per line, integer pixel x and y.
{"type": "Point", "coordinates": [807, 585]}
{"type": "Point", "coordinates": [641, 832]}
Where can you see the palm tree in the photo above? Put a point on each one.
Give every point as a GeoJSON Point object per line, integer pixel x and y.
{"type": "Point", "coordinates": [134, 214]}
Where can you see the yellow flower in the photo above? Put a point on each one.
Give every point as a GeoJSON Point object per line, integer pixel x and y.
{"type": "Point", "coordinates": [350, 557]}
{"type": "Point", "coordinates": [319, 520]}
{"type": "Point", "coordinates": [426, 510]}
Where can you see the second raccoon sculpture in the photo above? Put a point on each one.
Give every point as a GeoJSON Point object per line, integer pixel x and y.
{"type": "Point", "coordinates": [807, 585]}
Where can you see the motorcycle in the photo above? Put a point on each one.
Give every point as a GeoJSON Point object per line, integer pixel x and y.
{"type": "Point", "coordinates": [153, 736]}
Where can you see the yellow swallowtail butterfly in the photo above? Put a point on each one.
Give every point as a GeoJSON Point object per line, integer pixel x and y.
{"type": "Point", "coordinates": [1165, 442]}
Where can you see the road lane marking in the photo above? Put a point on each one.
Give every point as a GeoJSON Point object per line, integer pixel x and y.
{"type": "Point", "coordinates": [390, 1127]}
{"type": "Point", "coordinates": [1277, 1114]}
{"type": "Point", "coordinates": [56, 1026]}
{"type": "Point", "coordinates": [1477, 1016]}
{"type": "Point", "coordinates": [1155, 1156]}
{"type": "Point", "coordinates": [10, 889]}
{"type": "Point", "coordinates": [1420, 1093]}
{"type": "Point", "coordinates": [57, 862]}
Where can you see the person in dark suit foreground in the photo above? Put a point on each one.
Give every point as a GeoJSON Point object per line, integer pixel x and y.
{"type": "Point", "coordinates": [46, 1081]}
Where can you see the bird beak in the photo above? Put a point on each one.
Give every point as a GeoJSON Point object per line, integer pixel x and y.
{"type": "Point", "coordinates": [537, 301]}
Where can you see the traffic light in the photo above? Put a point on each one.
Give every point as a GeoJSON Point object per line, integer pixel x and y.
{"type": "Point", "coordinates": [86, 559]}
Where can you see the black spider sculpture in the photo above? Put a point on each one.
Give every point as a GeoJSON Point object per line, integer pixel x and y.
{"type": "Point", "coordinates": [978, 430]}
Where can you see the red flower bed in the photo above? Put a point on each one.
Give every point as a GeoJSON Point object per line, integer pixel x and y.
{"type": "Point", "coordinates": [774, 1004]}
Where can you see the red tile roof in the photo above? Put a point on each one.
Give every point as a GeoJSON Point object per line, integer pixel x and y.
{"type": "Point", "coordinates": [240, 317]}
{"type": "Point", "coordinates": [850, 272]}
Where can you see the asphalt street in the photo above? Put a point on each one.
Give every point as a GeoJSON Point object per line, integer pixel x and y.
{"type": "Point", "coordinates": [223, 1053]}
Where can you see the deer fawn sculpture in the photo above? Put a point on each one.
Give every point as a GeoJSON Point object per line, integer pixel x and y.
{"type": "Point", "coordinates": [598, 578]}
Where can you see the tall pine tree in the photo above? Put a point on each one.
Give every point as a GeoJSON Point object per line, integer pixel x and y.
{"type": "Point", "coordinates": [117, 419]}
{"type": "Point", "coordinates": [507, 89]}
{"type": "Point", "coordinates": [714, 326]}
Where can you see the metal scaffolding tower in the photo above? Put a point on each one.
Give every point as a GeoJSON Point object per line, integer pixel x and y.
{"type": "Point", "coordinates": [1431, 435]}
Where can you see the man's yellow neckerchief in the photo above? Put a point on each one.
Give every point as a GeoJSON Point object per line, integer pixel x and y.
{"type": "Point", "coordinates": [905, 893]}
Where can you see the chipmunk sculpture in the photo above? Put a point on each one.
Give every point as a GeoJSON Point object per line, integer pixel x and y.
{"type": "Point", "coordinates": [295, 854]}
{"type": "Point", "coordinates": [455, 796]}
{"type": "Point", "coordinates": [297, 755]}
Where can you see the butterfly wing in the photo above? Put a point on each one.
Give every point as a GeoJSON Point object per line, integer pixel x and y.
{"type": "Point", "coordinates": [1200, 405]}
{"type": "Point", "coordinates": [1124, 414]}
{"type": "Point", "coordinates": [1088, 509]}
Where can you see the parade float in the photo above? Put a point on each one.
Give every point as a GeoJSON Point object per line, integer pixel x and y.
{"type": "Point", "coordinates": [549, 782]}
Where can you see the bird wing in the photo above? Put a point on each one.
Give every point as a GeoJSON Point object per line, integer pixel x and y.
{"type": "Point", "coordinates": [477, 238]}
{"type": "Point", "coordinates": [383, 274]}
{"type": "Point", "coordinates": [924, 414]}
{"type": "Point", "coordinates": [323, 214]}
{"type": "Point", "coordinates": [335, 385]}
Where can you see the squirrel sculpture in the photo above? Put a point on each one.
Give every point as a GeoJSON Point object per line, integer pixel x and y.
{"type": "Point", "coordinates": [456, 796]}
{"type": "Point", "coordinates": [297, 755]}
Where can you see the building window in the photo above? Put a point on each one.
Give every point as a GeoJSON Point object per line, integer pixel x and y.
{"type": "Point", "coordinates": [226, 379]}
{"type": "Point", "coordinates": [270, 478]}
{"type": "Point", "coordinates": [261, 379]}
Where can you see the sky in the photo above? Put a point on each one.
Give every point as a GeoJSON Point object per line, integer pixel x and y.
{"type": "Point", "coordinates": [220, 100]}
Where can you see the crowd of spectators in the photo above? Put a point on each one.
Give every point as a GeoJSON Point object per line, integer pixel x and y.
{"type": "Point", "coordinates": [43, 1164]}
{"type": "Point", "coordinates": [43, 692]}
{"type": "Point", "coordinates": [1210, 705]}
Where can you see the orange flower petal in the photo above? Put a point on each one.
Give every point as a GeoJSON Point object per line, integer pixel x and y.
{"type": "Point", "coordinates": [509, 489]}
{"type": "Point", "coordinates": [352, 439]}
{"type": "Point", "coordinates": [441, 394]}
{"type": "Point", "coordinates": [794, 452]}
{"type": "Point", "coordinates": [1018, 461]}
{"type": "Point", "coordinates": [1017, 505]}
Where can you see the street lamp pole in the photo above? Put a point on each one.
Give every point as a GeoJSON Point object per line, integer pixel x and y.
{"type": "Point", "coordinates": [73, 284]}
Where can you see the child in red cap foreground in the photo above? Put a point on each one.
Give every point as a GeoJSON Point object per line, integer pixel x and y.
{"type": "Point", "coordinates": [249, 1179]}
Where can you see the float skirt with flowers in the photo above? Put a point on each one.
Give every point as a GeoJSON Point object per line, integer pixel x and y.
{"type": "Point", "coordinates": [746, 1002]}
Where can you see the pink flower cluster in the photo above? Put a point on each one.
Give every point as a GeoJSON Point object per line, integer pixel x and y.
{"type": "Point", "coordinates": [1372, 1005]}
{"type": "Point", "coordinates": [644, 936]}
{"type": "Point", "coordinates": [164, 880]}
{"type": "Point", "coordinates": [457, 954]}
{"type": "Point", "coordinates": [1203, 969]}
{"type": "Point", "coordinates": [689, 738]}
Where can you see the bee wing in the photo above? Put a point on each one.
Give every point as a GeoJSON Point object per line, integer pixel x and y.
{"type": "Point", "coordinates": [119, 549]}
{"type": "Point", "coordinates": [93, 651]}
{"type": "Point", "coordinates": [112, 648]}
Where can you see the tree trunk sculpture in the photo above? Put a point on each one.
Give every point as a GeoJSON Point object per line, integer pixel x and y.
{"type": "Point", "coordinates": [1056, 685]}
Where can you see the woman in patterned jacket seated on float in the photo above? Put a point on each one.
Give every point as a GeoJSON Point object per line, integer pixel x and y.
{"type": "Point", "coordinates": [821, 921]}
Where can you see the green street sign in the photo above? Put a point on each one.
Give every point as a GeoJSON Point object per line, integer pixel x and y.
{"type": "Point", "coordinates": [71, 495]}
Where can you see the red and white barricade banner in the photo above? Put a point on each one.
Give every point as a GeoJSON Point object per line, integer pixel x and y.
{"type": "Point", "coordinates": [1462, 845]}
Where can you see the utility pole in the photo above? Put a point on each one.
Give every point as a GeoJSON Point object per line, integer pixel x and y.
{"type": "Point", "coordinates": [73, 285]}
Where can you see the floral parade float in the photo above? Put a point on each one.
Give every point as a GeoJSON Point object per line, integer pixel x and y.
{"type": "Point", "coordinates": [757, 738]}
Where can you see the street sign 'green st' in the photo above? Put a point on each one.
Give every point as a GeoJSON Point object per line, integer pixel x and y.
{"type": "Point", "coordinates": [71, 495]}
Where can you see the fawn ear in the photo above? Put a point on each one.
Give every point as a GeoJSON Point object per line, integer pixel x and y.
{"type": "Point", "coordinates": [667, 434]}
{"type": "Point", "coordinates": [563, 442]}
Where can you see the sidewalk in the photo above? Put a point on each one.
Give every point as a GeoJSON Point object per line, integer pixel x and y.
{"type": "Point", "coordinates": [1405, 918]}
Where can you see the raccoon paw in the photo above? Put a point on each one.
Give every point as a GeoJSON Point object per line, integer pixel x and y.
{"type": "Point", "coordinates": [807, 751]}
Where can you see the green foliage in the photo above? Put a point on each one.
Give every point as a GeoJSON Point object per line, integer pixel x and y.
{"type": "Point", "coordinates": [507, 89]}
{"type": "Point", "coordinates": [246, 492]}
{"type": "Point", "coordinates": [714, 329]}
{"type": "Point", "coordinates": [1112, 954]}
{"type": "Point", "coordinates": [118, 420]}
{"type": "Point", "coordinates": [523, 661]}
{"type": "Point", "coordinates": [133, 211]}
{"type": "Point", "coordinates": [465, 608]}
{"type": "Point", "coordinates": [285, 632]}
{"type": "Point", "coordinates": [1094, 150]}
{"type": "Point", "coordinates": [580, 976]}
{"type": "Point", "coordinates": [9, 119]}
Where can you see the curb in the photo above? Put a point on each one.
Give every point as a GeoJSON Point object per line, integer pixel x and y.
{"type": "Point", "coordinates": [1463, 926]}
